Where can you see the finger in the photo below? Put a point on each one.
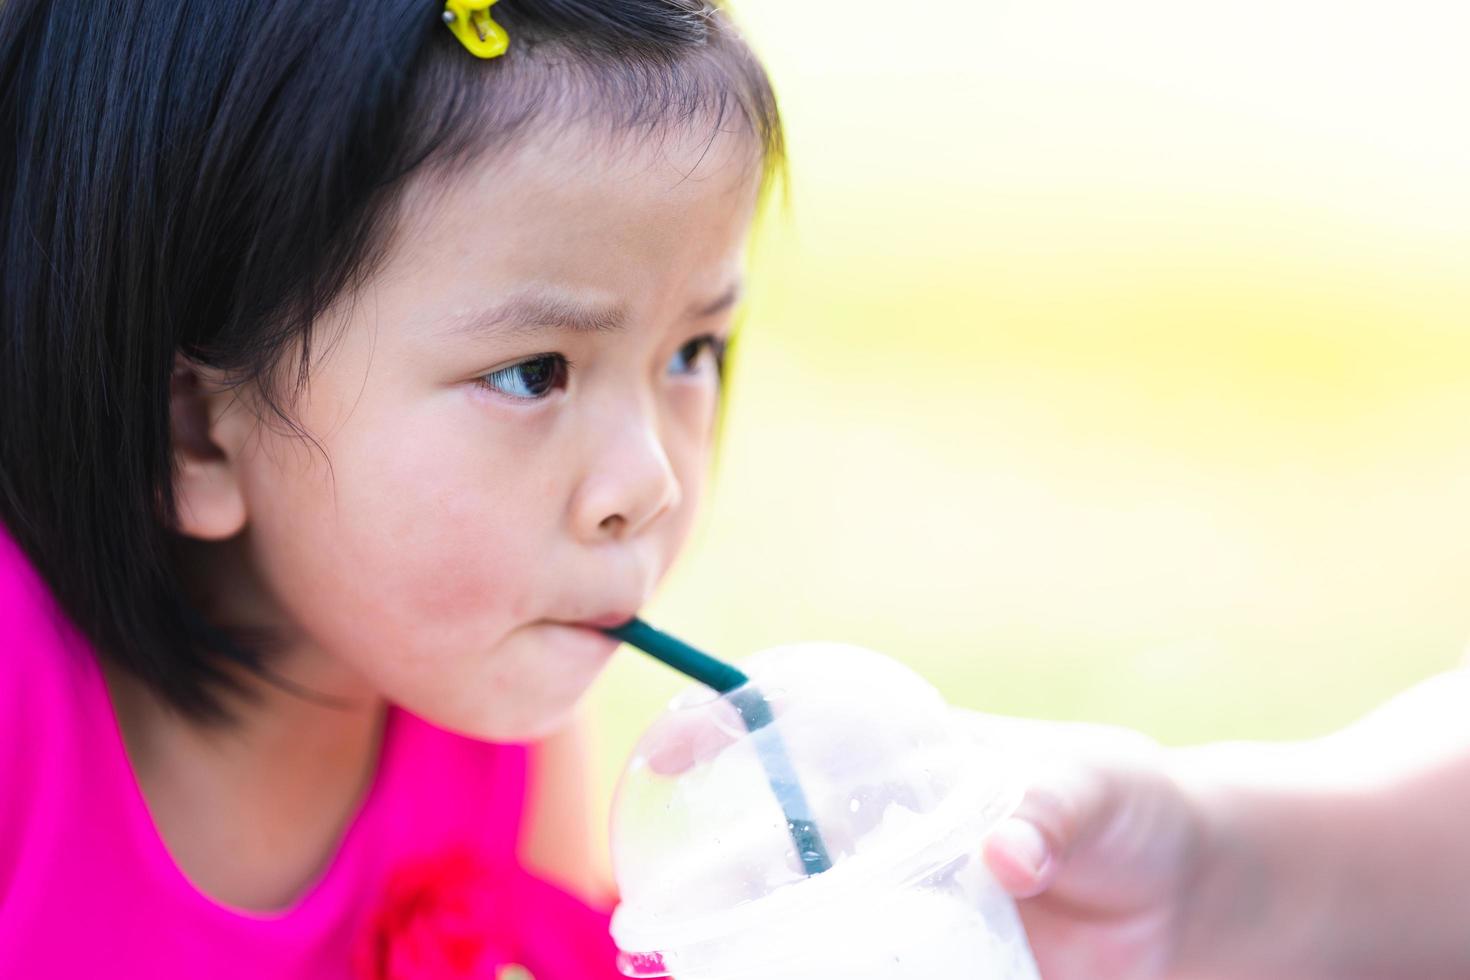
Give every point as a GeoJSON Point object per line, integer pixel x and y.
{"type": "Point", "coordinates": [678, 742]}
{"type": "Point", "coordinates": [1019, 858]}
{"type": "Point", "coordinates": [1029, 850]}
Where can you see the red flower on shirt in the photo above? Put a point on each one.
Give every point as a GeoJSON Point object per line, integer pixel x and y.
{"type": "Point", "coordinates": [446, 916]}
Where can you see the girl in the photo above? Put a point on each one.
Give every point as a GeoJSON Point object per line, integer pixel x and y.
{"type": "Point", "coordinates": [349, 381]}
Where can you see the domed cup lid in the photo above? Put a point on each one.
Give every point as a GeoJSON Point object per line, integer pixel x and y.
{"type": "Point", "coordinates": [896, 784]}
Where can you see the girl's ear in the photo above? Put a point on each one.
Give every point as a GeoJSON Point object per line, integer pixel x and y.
{"type": "Point", "coordinates": [208, 495]}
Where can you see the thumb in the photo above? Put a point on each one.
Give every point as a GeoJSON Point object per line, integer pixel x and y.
{"type": "Point", "coordinates": [1074, 772]}
{"type": "Point", "coordinates": [1028, 850]}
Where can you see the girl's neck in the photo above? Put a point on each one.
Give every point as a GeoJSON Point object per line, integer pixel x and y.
{"type": "Point", "coordinates": [253, 810]}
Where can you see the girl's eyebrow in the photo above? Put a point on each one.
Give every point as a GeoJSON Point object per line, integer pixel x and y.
{"type": "Point", "coordinates": [727, 299]}
{"type": "Point", "coordinates": [535, 311]}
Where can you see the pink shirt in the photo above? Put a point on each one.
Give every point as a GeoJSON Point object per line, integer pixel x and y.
{"type": "Point", "coordinates": [425, 883]}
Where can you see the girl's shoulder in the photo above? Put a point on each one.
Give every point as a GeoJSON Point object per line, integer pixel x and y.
{"type": "Point", "coordinates": [42, 656]}
{"type": "Point", "coordinates": [44, 691]}
{"type": "Point", "coordinates": [34, 638]}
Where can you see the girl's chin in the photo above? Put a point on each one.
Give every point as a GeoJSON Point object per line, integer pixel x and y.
{"type": "Point", "coordinates": [569, 658]}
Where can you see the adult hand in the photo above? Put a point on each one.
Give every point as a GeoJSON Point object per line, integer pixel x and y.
{"type": "Point", "coordinates": [1100, 853]}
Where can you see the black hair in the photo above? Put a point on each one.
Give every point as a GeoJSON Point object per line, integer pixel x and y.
{"type": "Point", "coordinates": [203, 178]}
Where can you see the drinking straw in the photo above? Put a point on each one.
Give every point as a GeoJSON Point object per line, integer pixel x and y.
{"type": "Point", "coordinates": [755, 714]}
{"type": "Point", "coordinates": [681, 656]}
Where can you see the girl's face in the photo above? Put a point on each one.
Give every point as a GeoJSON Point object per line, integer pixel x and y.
{"type": "Point", "coordinates": [512, 420]}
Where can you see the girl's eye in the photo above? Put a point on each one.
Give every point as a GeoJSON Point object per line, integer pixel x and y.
{"type": "Point", "coordinates": [698, 354]}
{"type": "Point", "coordinates": [531, 379]}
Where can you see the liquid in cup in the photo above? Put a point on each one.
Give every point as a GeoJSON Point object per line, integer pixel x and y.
{"type": "Point", "coordinates": [901, 790]}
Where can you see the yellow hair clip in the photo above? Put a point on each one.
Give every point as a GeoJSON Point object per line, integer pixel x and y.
{"type": "Point", "coordinates": [470, 21]}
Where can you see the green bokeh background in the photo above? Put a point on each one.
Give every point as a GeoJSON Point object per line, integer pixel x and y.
{"type": "Point", "coordinates": [1109, 363]}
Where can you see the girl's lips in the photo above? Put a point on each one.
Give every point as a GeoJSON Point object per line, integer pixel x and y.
{"type": "Point", "coordinates": [589, 643]}
{"type": "Point", "coordinates": [605, 622]}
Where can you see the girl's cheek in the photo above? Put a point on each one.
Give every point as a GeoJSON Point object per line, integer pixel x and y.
{"type": "Point", "coordinates": [454, 542]}
{"type": "Point", "coordinates": [691, 463]}
{"type": "Point", "coordinates": [413, 541]}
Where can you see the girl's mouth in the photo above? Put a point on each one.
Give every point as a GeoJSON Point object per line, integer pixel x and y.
{"type": "Point", "coordinates": [606, 621]}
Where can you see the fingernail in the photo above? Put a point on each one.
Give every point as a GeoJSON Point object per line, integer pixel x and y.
{"type": "Point", "coordinates": [1024, 843]}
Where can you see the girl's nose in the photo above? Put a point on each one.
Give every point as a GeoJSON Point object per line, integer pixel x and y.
{"type": "Point", "coordinates": [631, 485]}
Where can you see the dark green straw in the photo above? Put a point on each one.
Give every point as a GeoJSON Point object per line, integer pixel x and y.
{"type": "Point", "coordinates": [755, 713]}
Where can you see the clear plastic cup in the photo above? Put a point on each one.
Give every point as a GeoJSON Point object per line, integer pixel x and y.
{"type": "Point", "coordinates": [901, 792]}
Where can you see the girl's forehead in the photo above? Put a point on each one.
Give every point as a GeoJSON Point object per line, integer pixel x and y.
{"type": "Point", "coordinates": [569, 222]}
{"type": "Point", "coordinates": [671, 168]}
{"type": "Point", "coordinates": [586, 197]}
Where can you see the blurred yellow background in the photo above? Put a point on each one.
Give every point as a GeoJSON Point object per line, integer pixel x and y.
{"type": "Point", "coordinates": [1109, 364]}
